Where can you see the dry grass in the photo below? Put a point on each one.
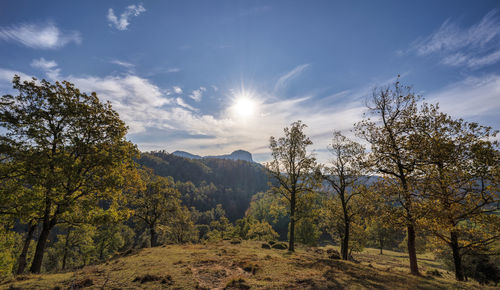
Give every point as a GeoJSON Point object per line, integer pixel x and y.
{"type": "Point", "coordinates": [215, 266]}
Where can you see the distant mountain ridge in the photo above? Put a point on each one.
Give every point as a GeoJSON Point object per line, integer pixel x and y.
{"type": "Point", "coordinates": [235, 155]}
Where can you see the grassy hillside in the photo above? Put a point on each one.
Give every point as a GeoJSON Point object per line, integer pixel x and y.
{"type": "Point", "coordinates": [245, 266]}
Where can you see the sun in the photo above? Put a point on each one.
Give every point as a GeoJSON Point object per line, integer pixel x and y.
{"type": "Point", "coordinates": [244, 107]}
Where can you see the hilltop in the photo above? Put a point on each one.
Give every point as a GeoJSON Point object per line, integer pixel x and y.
{"type": "Point", "coordinates": [246, 266]}
{"type": "Point", "coordinates": [235, 155]}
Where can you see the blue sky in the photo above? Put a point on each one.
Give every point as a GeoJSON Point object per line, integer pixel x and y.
{"type": "Point", "coordinates": [210, 77]}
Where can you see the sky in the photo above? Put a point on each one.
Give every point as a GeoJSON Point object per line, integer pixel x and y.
{"type": "Point", "coordinates": [211, 77]}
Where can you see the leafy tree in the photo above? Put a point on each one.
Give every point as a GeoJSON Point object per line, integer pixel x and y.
{"type": "Point", "coordinates": [461, 182]}
{"type": "Point", "coordinates": [223, 227]}
{"type": "Point", "coordinates": [308, 231]}
{"type": "Point", "coordinates": [261, 231]}
{"type": "Point", "coordinates": [181, 228]}
{"type": "Point", "coordinates": [393, 152]}
{"type": "Point", "coordinates": [293, 170]}
{"type": "Point", "coordinates": [155, 204]}
{"type": "Point", "coordinates": [342, 174]}
{"type": "Point", "coordinates": [272, 209]}
{"type": "Point", "coordinates": [70, 148]}
{"type": "Point", "coordinates": [8, 242]}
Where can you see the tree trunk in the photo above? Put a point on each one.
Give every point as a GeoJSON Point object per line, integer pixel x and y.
{"type": "Point", "coordinates": [101, 250]}
{"type": "Point", "coordinates": [381, 244]}
{"type": "Point", "coordinates": [47, 226]}
{"type": "Point", "coordinates": [154, 236]}
{"type": "Point", "coordinates": [26, 245]}
{"type": "Point", "coordinates": [66, 245]}
{"type": "Point", "coordinates": [291, 243]}
{"type": "Point", "coordinates": [345, 242]}
{"type": "Point", "coordinates": [412, 252]}
{"type": "Point", "coordinates": [457, 259]}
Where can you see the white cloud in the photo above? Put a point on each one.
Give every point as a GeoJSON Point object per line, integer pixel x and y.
{"type": "Point", "coordinates": [123, 63]}
{"type": "Point", "coordinates": [197, 94]}
{"type": "Point", "coordinates": [47, 66]}
{"type": "Point", "coordinates": [123, 21]}
{"type": "Point", "coordinates": [475, 46]}
{"type": "Point", "coordinates": [177, 90]}
{"type": "Point", "coordinates": [181, 103]}
{"type": "Point", "coordinates": [284, 79]}
{"type": "Point", "coordinates": [46, 36]}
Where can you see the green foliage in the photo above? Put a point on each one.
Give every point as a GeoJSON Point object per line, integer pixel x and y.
{"type": "Point", "coordinates": [181, 228]}
{"type": "Point", "coordinates": [155, 204]}
{"type": "Point", "coordinates": [294, 171]}
{"type": "Point", "coordinates": [8, 252]}
{"type": "Point", "coordinates": [67, 147]}
{"type": "Point", "coordinates": [261, 231]}
{"type": "Point", "coordinates": [308, 232]}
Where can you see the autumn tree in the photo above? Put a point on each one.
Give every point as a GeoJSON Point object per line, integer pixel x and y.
{"type": "Point", "coordinates": [342, 174]}
{"type": "Point", "coordinates": [461, 168]}
{"type": "Point", "coordinates": [292, 168]}
{"type": "Point", "coordinates": [389, 133]}
{"type": "Point", "coordinates": [69, 146]}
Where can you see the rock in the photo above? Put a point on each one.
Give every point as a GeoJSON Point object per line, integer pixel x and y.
{"type": "Point", "coordinates": [333, 254]}
{"type": "Point", "coordinates": [280, 246]}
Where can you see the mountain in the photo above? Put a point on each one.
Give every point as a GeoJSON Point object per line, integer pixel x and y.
{"type": "Point", "coordinates": [186, 154]}
{"type": "Point", "coordinates": [236, 155]}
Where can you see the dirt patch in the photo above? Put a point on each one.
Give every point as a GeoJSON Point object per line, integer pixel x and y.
{"type": "Point", "coordinates": [152, 278]}
{"type": "Point", "coordinates": [215, 274]}
{"type": "Point", "coordinates": [79, 284]}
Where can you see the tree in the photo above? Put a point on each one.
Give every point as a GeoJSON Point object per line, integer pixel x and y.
{"type": "Point", "coordinates": [181, 229]}
{"type": "Point", "coordinates": [342, 175]}
{"type": "Point", "coordinates": [155, 204]}
{"type": "Point", "coordinates": [461, 182]}
{"type": "Point", "coordinates": [69, 146]}
{"type": "Point", "coordinates": [392, 151]}
{"type": "Point", "coordinates": [261, 231]}
{"type": "Point", "coordinates": [293, 169]}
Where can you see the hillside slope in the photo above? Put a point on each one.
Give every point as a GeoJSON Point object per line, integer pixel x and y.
{"type": "Point", "coordinates": [244, 266]}
{"type": "Point", "coordinates": [236, 180]}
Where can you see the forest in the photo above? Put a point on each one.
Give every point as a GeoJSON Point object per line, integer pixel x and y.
{"type": "Point", "coordinates": [408, 178]}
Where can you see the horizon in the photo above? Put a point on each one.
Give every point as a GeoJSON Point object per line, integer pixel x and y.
{"type": "Point", "coordinates": [210, 78]}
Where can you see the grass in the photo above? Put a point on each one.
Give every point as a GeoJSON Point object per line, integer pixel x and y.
{"type": "Point", "coordinates": [240, 266]}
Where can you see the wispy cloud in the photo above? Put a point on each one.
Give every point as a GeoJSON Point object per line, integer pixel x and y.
{"type": "Point", "coordinates": [471, 97]}
{"type": "Point", "coordinates": [285, 78]}
{"type": "Point", "coordinates": [197, 94]}
{"type": "Point", "coordinates": [475, 46]}
{"type": "Point", "coordinates": [173, 69]}
{"type": "Point", "coordinates": [123, 63]}
{"type": "Point", "coordinates": [181, 103]}
{"type": "Point", "coordinates": [122, 22]}
{"type": "Point", "coordinates": [41, 36]}
{"type": "Point", "coordinates": [47, 66]}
